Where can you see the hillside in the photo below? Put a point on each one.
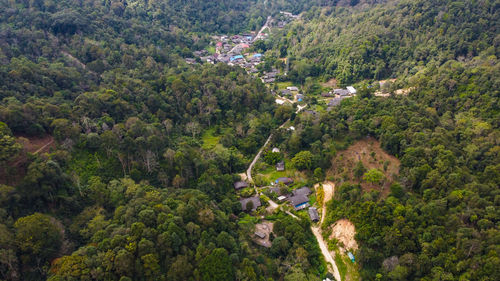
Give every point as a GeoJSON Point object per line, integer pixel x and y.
{"type": "Point", "coordinates": [249, 140]}
{"type": "Point", "coordinates": [397, 38]}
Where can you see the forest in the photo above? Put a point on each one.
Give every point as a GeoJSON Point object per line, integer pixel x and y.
{"type": "Point", "coordinates": [138, 150]}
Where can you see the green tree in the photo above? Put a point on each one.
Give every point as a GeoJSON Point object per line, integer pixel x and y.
{"type": "Point", "coordinates": [359, 170]}
{"type": "Point", "coordinates": [37, 237]}
{"type": "Point", "coordinates": [303, 160]}
{"type": "Point", "coordinates": [373, 176]}
{"type": "Point", "coordinates": [217, 266]}
{"type": "Point", "coordinates": [8, 145]}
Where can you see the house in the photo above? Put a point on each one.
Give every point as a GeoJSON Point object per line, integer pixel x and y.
{"type": "Point", "coordinates": [313, 214]}
{"type": "Point", "coordinates": [190, 61]}
{"type": "Point", "coordinates": [255, 202]}
{"type": "Point", "coordinates": [240, 184]}
{"type": "Point", "coordinates": [327, 95]}
{"type": "Point", "coordinates": [281, 198]}
{"type": "Point", "coordinates": [284, 180]}
{"type": "Point", "coordinates": [291, 128]}
{"type": "Point", "coordinates": [275, 189]}
{"type": "Point", "coordinates": [299, 202]}
{"type": "Point", "coordinates": [275, 149]}
{"type": "Point", "coordinates": [351, 90]}
{"type": "Point", "coordinates": [286, 92]}
{"type": "Point", "coordinates": [302, 191]}
{"type": "Point", "coordinates": [271, 74]}
{"type": "Point", "coordinates": [235, 58]}
{"type": "Point", "coordinates": [259, 234]}
{"type": "Point", "coordinates": [341, 92]}
{"type": "Point", "coordinates": [269, 80]}
{"type": "Point", "coordinates": [294, 89]}
{"type": "Point", "coordinates": [280, 166]}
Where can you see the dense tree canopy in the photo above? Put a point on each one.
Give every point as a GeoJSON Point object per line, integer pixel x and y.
{"type": "Point", "coordinates": [118, 159]}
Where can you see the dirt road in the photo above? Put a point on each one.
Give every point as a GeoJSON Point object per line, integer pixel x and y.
{"type": "Point", "coordinates": [328, 190]}
{"type": "Point", "coordinates": [324, 250]}
{"type": "Point", "coordinates": [249, 170]}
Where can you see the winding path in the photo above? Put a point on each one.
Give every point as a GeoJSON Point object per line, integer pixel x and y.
{"type": "Point", "coordinates": [328, 189]}
{"type": "Point", "coordinates": [256, 158]}
{"type": "Point", "coordinates": [328, 196]}
{"type": "Point", "coordinates": [324, 250]}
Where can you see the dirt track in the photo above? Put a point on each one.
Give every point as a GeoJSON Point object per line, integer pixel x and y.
{"type": "Point", "coordinates": [324, 250]}
{"type": "Point", "coordinates": [328, 189]}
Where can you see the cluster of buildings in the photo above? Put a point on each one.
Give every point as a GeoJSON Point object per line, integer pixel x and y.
{"type": "Point", "coordinates": [298, 198]}
{"type": "Point", "coordinates": [231, 50]}
{"type": "Point", "coordinates": [338, 95]}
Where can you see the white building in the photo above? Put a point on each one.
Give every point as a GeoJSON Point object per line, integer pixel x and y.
{"type": "Point", "coordinates": [351, 90]}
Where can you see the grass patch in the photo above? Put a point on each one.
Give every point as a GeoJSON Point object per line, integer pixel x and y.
{"type": "Point", "coordinates": [283, 85]}
{"type": "Point", "coordinates": [270, 173]}
{"type": "Point", "coordinates": [341, 265]}
{"type": "Point", "coordinates": [209, 139]}
{"type": "Point", "coordinates": [211, 49]}
{"type": "Point", "coordinates": [347, 269]}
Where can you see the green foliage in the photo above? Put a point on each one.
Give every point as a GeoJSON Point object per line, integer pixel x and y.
{"type": "Point", "coordinates": [303, 160]}
{"type": "Point", "coordinates": [373, 176]}
{"type": "Point", "coordinates": [359, 170]}
{"type": "Point", "coordinates": [272, 158]}
{"type": "Point", "coordinates": [37, 237]}
{"type": "Point", "coordinates": [8, 145]}
{"type": "Point", "coordinates": [217, 266]}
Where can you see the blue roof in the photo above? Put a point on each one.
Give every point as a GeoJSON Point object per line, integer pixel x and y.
{"type": "Point", "coordinates": [299, 99]}
{"type": "Point", "coordinates": [301, 204]}
{"type": "Point", "coordinates": [257, 55]}
{"type": "Point", "coordinates": [236, 57]}
{"type": "Point", "coordinates": [351, 256]}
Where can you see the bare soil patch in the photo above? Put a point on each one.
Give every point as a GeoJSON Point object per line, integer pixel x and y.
{"type": "Point", "coordinates": [328, 189]}
{"type": "Point", "coordinates": [265, 227]}
{"type": "Point", "coordinates": [369, 152]}
{"type": "Point", "coordinates": [343, 230]}
{"type": "Point", "coordinates": [330, 83]}
{"type": "Point", "coordinates": [36, 144]}
{"type": "Point", "coordinates": [15, 170]}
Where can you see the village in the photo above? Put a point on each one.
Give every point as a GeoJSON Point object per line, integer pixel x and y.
{"type": "Point", "coordinates": [281, 192]}
{"type": "Point", "coordinates": [235, 51]}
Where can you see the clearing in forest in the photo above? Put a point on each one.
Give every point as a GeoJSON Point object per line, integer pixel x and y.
{"type": "Point", "coordinates": [372, 156]}
{"type": "Point", "coordinates": [13, 173]}
{"type": "Point", "coordinates": [343, 231]}
{"type": "Point", "coordinates": [330, 83]}
{"type": "Point", "coordinates": [266, 228]}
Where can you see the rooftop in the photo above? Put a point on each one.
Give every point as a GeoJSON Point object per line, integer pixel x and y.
{"type": "Point", "coordinates": [240, 185]}
{"type": "Point", "coordinates": [302, 191]}
{"type": "Point", "coordinates": [313, 214]}
{"type": "Point", "coordinates": [255, 200]}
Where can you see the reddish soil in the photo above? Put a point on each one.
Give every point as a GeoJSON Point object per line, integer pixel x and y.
{"type": "Point", "coordinates": [15, 170]}
{"type": "Point", "coordinates": [369, 152]}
